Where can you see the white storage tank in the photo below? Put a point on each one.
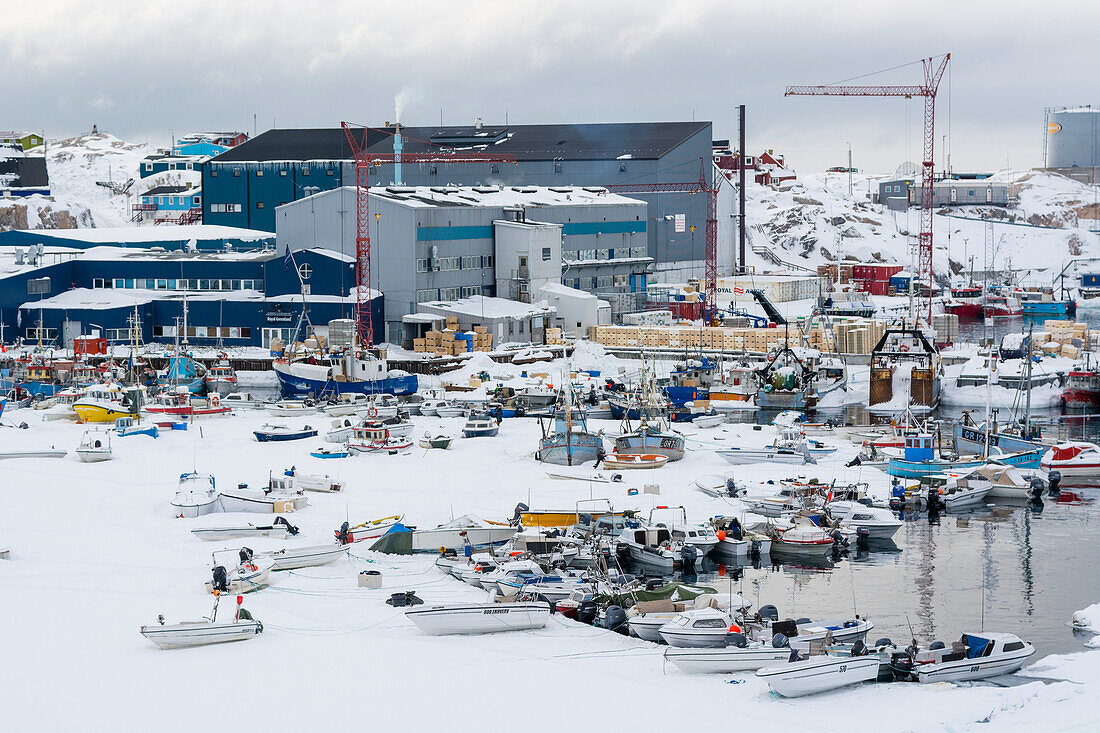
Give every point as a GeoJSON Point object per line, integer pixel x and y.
{"type": "Point", "coordinates": [1073, 137]}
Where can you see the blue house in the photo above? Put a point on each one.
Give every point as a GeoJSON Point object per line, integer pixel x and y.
{"type": "Point", "coordinates": [179, 204]}
{"type": "Point", "coordinates": [208, 143]}
{"type": "Point", "coordinates": [159, 162]}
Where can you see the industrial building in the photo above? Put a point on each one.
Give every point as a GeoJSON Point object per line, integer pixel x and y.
{"type": "Point", "coordinates": [22, 174]}
{"type": "Point", "coordinates": [1072, 138]}
{"type": "Point", "coordinates": [448, 243]}
{"type": "Point", "coordinates": [244, 186]}
{"type": "Point", "coordinates": [963, 190]}
{"type": "Point", "coordinates": [200, 237]}
{"type": "Point", "coordinates": [234, 298]}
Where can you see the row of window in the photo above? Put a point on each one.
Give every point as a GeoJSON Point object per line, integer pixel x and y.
{"type": "Point", "coordinates": [605, 254]}
{"type": "Point", "coordinates": [171, 200]}
{"type": "Point", "coordinates": [602, 282]}
{"type": "Point", "coordinates": [260, 172]}
{"type": "Point", "coordinates": [465, 291]}
{"type": "Point", "coordinates": [225, 208]}
{"type": "Point", "coordinates": [174, 166]}
{"type": "Point", "coordinates": [454, 264]}
{"type": "Point", "coordinates": [201, 332]}
{"type": "Point", "coordinates": [177, 284]}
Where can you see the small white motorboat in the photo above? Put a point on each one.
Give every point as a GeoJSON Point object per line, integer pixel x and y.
{"type": "Point", "coordinates": [291, 558]}
{"type": "Point", "coordinates": [341, 430]}
{"type": "Point", "coordinates": [448, 410]}
{"type": "Point", "coordinates": [1077, 461]}
{"type": "Point", "coordinates": [278, 529]}
{"type": "Point", "coordinates": [250, 575]}
{"type": "Point", "coordinates": [440, 441]}
{"type": "Point", "coordinates": [262, 501]}
{"type": "Point", "coordinates": [973, 657]}
{"type": "Point", "coordinates": [650, 616]}
{"type": "Point", "coordinates": [292, 481]}
{"type": "Point", "coordinates": [370, 530]}
{"type": "Point", "coordinates": [650, 546]}
{"type": "Point", "coordinates": [284, 408]}
{"type": "Point", "coordinates": [243, 401]}
{"type": "Point", "coordinates": [430, 408]}
{"type": "Point", "coordinates": [802, 633]}
{"type": "Point", "coordinates": [623, 461]}
{"type": "Point", "coordinates": [738, 655]}
{"type": "Point", "coordinates": [698, 628]}
{"type": "Point", "coordinates": [480, 425]}
{"type": "Point", "coordinates": [719, 486]}
{"type": "Point", "coordinates": [480, 618]}
{"type": "Point", "coordinates": [202, 633]}
{"type": "Point", "coordinates": [195, 496]}
{"type": "Point", "coordinates": [45, 453]}
{"type": "Point", "coordinates": [346, 404]}
{"type": "Point", "coordinates": [819, 674]}
{"type": "Point", "coordinates": [94, 447]}
{"type": "Point", "coordinates": [481, 533]}
{"type": "Point", "coordinates": [881, 524]}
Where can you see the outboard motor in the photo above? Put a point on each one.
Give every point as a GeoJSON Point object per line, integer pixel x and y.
{"type": "Point", "coordinates": [863, 538]}
{"type": "Point", "coordinates": [897, 496]}
{"type": "Point", "coordinates": [935, 501]}
{"type": "Point", "coordinates": [859, 649]}
{"type": "Point", "coordinates": [754, 550]}
{"type": "Point", "coordinates": [654, 583]}
{"type": "Point", "coordinates": [290, 528]}
{"type": "Point", "coordinates": [1053, 479]}
{"type": "Point", "coordinates": [737, 640]}
{"type": "Point", "coordinates": [221, 579]}
{"type": "Point", "coordinates": [731, 486]}
{"type": "Point", "coordinates": [902, 665]}
{"type": "Point", "coordinates": [1036, 489]}
{"type": "Point", "coordinates": [688, 555]}
{"type": "Point", "coordinates": [520, 509]}
{"type": "Point", "coordinates": [586, 612]}
{"type": "Point", "coordinates": [246, 555]}
{"type": "Point", "coordinates": [854, 462]}
{"type": "Point", "coordinates": [768, 613]}
{"type": "Point", "coordinates": [615, 620]}
{"type": "Point", "coordinates": [342, 535]}
{"type": "Point", "coordinates": [780, 640]}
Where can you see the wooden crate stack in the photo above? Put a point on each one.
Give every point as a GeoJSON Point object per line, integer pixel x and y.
{"type": "Point", "coordinates": [553, 336]}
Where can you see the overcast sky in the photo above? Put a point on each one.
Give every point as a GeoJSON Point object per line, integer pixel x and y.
{"type": "Point", "coordinates": [141, 69]}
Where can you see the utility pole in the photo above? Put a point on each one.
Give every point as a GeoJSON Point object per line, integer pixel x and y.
{"type": "Point", "coordinates": [741, 189]}
{"type": "Point", "coordinates": [849, 170]}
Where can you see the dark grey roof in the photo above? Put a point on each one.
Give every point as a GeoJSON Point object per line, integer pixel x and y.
{"type": "Point", "coordinates": [603, 141]}
{"type": "Point", "coordinates": [161, 190]}
{"type": "Point", "coordinates": [30, 171]}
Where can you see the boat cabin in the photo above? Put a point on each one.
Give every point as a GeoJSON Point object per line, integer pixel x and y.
{"type": "Point", "coordinates": [970, 646]}
{"type": "Point", "coordinates": [919, 448]}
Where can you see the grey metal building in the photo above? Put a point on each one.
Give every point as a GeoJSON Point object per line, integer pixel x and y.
{"type": "Point", "coordinates": [244, 186]}
{"type": "Point", "coordinates": [446, 243]}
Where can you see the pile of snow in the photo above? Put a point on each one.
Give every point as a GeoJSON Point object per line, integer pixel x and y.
{"type": "Point", "coordinates": [1088, 618]}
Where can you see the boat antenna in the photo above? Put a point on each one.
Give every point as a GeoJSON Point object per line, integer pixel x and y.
{"type": "Point", "coordinates": [911, 632]}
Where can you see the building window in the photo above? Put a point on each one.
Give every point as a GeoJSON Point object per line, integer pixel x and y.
{"type": "Point", "coordinates": [305, 170]}
{"type": "Point", "coordinates": [421, 264]}
{"type": "Point", "coordinates": [486, 260]}
{"type": "Point", "coordinates": [259, 204]}
{"type": "Point", "coordinates": [259, 173]}
{"type": "Point", "coordinates": [213, 172]}
{"type": "Point", "coordinates": [495, 169]}
{"type": "Point", "coordinates": [523, 260]}
{"type": "Point", "coordinates": [267, 335]}
{"type": "Point", "coordinates": [196, 201]}
{"type": "Point", "coordinates": [236, 172]}
{"type": "Point", "coordinates": [304, 271]}
{"type": "Point", "coordinates": [148, 166]}
{"type": "Point", "coordinates": [328, 171]}
{"type": "Point", "coordinates": [423, 296]}
{"type": "Point", "coordinates": [545, 254]}
{"type": "Point", "coordinates": [98, 282]}
{"type": "Point", "coordinates": [431, 170]}
{"type": "Point", "coordinates": [557, 167]}
{"type": "Point", "coordinates": [282, 171]}
{"type": "Point", "coordinates": [121, 334]}
{"type": "Point", "coordinates": [47, 334]}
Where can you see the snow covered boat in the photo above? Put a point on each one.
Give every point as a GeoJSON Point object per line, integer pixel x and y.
{"type": "Point", "coordinates": [271, 433]}
{"type": "Point", "coordinates": [622, 461]}
{"type": "Point", "coordinates": [1082, 390]}
{"type": "Point", "coordinates": [243, 401]}
{"type": "Point", "coordinates": [125, 427]}
{"type": "Point", "coordinates": [442, 442]}
{"type": "Point", "coordinates": [651, 546]}
{"type": "Point", "coordinates": [370, 530]}
{"type": "Point", "coordinates": [480, 425]}
{"type": "Point", "coordinates": [919, 459]}
{"type": "Point", "coordinates": [262, 501]}
{"type": "Point", "coordinates": [1077, 461]}
{"type": "Point", "coordinates": [202, 633]}
{"type": "Point", "coordinates": [973, 657]}
{"type": "Point", "coordinates": [292, 481]}
{"type": "Point", "coordinates": [568, 442]}
{"type": "Point", "coordinates": [195, 495]}
{"type": "Point", "coordinates": [94, 447]}
{"type": "Point", "coordinates": [802, 540]}
{"type": "Point", "coordinates": [479, 618]}
{"type": "Point", "coordinates": [290, 408]}
{"type": "Point", "coordinates": [1002, 306]}
{"type": "Point", "coordinates": [183, 404]}
{"type": "Point", "coordinates": [50, 453]}
{"type": "Point", "coordinates": [250, 575]}
{"type": "Point", "coordinates": [291, 558]}
{"type": "Point", "coordinates": [649, 440]}
{"type": "Point", "coordinates": [374, 437]}
{"type": "Point", "coordinates": [341, 430]}
{"type": "Point", "coordinates": [1009, 482]}
{"type": "Point", "coordinates": [453, 535]}
{"type": "Point", "coordinates": [738, 655]}
{"type": "Point", "coordinates": [326, 452]}
{"type": "Point", "coordinates": [819, 674]}
{"type": "Point", "coordinates": [965, 302]}
{"type": "Point", "coordinates": [278, 529]}
{"type": "Point", "coordinates": [708, 420]}
{"type": "Point", "coordinates": [106, 403]}
{"type": "Point", "coordinates": [354, 370]}
{"type": "Point", "coordinates": [904, 355]}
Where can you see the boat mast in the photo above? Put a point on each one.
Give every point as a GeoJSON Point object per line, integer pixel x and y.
{"type": "Point", "coordinates": [1027, 404]}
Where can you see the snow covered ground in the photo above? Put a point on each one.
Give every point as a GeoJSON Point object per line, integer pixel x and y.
{"type": "Point", "coordinates": [95, 553]}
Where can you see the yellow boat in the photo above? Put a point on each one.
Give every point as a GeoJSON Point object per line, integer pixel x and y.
{"type": "Point", "coordinates": [550, 519]}
{"type": "Point", "coordinates": [96, 410]}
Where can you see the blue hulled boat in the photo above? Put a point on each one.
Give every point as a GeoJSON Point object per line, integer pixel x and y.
{"type": "Point", "coordinates": [919, 459]}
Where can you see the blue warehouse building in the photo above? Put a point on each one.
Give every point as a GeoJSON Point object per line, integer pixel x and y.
{"type": "Point", "coordinates": [234, 298]}
{"type": "Point", "coordinates": [244, 186]}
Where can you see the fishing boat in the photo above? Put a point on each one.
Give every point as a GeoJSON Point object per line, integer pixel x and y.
{"type": "Point", "coordinates": [292, 558]}
{"type": "Point", "coordinates": [919, 459]}
{"type": "Point", "coordinates": [626, 461]}
{"type": "Point", "coordinates": [370, 530]}
{"type": "Point", "coordinates": [442, 442]}
{"type": "Point", "coordinates": [786, 382]}
{"type": "Point", "coordinates": [819, 673]}
{"type": "Point", "coordinates": [278, 529]}
{"type": "Point", "coordinates": [103, 403]}
{"type": "Point", "coordinates": [276, 432]}
{"type": "Point", "coordinates": [904, 352]}
{"type": "Point", "coordinates": [1082, 388]}
{"type": "Point", "coordinates": [690, 381]}
{"type": "Point", "coordinates": [251, 574]}
{"type": "Point", "coordinates": [973, 657]}
{"type": "Point", "coordinates": [353, 370]}
{"type": "Point", "coordinates": [735, 388]}
{"type": "Point", "coordinates": [94, 447]}
{"type": "Point", "coordinates": [183, 371]}
{"type": "Point", "coordinates": [126, 427]}
{"type": "Point", "coordinates": [965, 302]}
{"type": "Point", "coordinates": [972, 439]}
{"type": "Point", "coordinates": [480, 425]}
{"type": "Point", "coordinates": [1002, 306]}
{"type": "Point", "coordinates": [1077, 461]}
{"type": "Point", "coordinates": [479, 618]}
{"type": "Point", "coordinates": [204, 632]}
{"type": "Point", "coordinates": [480, 533]}
{"type": "Point", "coordinates": [327, 452]}
{"type": "Point", "coordinates": [195, 495]}
{"type": "Point", "coordinates": [221, 378]}
{"type": "Point", "coordinates": [375, 437]}
{"type": "Point", "coordinates": [568, 442]}
{"type": "Point", "coordinates": [182, 403]}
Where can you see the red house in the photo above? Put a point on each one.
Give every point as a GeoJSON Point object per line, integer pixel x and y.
{"type": "Point", "coordinates": [768, 168]}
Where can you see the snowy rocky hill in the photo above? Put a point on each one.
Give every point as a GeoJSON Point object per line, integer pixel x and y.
{"type": "Point", "coordinates": [815, 221]}
{"type": "Point", "coordinates": [75, 165]}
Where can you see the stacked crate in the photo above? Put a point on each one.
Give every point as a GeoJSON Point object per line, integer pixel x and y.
{"type": "Point", "coordinates": [947, 328]}
{"type": "Point", "coordinates": [553, 336]}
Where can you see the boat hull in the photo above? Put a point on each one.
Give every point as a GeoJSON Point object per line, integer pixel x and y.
{"type": "Point", "coordinates": [480, 538]}
{"type": "Point", "coordinates": [176, 636]}
{"type": "Point", "coordinates": [479, 618]}
{"type": "Point", "coordinates": [726, 660]}
{"type": "Point", "coordinates": [569, 449]}
{"type": "Point", "coordinates": [263, 437]}
{"type": "Point", "coordinates": [819, 674]}
{"type": "Point", "coordinates": [305, 557]}
{"type": "Point", "coordinates": [916, 469]}
{"type": "Point", "coordinates": [972, 440]}
{"type": "Point", "coordinates": [296, 385]}
{"type": "Point", "coordinates": [965, 670]}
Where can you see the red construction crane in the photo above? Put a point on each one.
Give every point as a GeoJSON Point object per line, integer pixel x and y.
{"type": "Point", "coordinates": [932, 76]}
{"type": "Point", "coordinates": [363, 162]}
{"type": "Point", "coordinates": [710, 267]}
